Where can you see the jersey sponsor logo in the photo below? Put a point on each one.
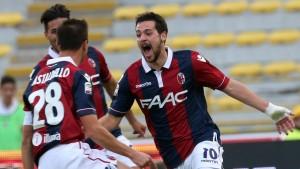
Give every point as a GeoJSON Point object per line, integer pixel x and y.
{"type": "Point", "coordinates": [201, 58]}
{"type": "Point", "coordinates": [38, 139]}
{"type": "Point", "coordinates": [58, 72]}
{"type": "Point", "coordinates": [143, 85]}
{"type": "Point", "coordinates": [173, 98]}
{"type": "Point", "coordinates": [180, 78]}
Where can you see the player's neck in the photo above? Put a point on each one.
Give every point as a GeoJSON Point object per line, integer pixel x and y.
{"type": "Point", "coordinates": [161, 60]}
{"type": "Point", "coordinates": [75, 55]}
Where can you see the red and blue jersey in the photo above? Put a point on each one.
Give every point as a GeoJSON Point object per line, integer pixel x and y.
{"type": "Point", "coordinates": [172, 100]}
{"type": "Point", "coordinates": [58, 95]}
{"type": "Point", "coordinates": [95, 66]}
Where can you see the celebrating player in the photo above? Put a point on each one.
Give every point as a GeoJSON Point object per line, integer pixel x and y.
{"type": "Point", "coordinates": [168, 86]}
{"type": "Point", "coordinates": [95, 66]}
{"type": "Point", "coordinates": [58, 102]}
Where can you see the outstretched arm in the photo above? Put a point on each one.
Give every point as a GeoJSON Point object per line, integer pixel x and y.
{"type": "Point", "coordinates": [137, 126]}
{"type": "Point", "coordinates": [281, 115]}
{"type": "Point", "coordinates": [98, 133]}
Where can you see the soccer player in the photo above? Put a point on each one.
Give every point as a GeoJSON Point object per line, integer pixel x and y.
{"type": "Point", "coordinates": [59, 103]}
{"type": "Point", "coordinates": [168, 86]}
{"type": "Point", "coordinates": [95, 66]}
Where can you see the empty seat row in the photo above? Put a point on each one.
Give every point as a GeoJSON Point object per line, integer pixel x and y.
{"type": "Point", "coordinates": [75, 6]}
{"type": "Point", "coordinates": [212, 40]}
{"type": "Point", "coordinates": [257, 69]}
{"type": "Point", "coordinates": [32, 40]}
{"type": "Point", "coordinates": [202, 9]}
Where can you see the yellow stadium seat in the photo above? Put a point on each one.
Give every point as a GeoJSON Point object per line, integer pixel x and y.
{"type": "Point", "coordinates": [280, 68]}
{"type": "Point", "coordinates": [296, 111]}
{"type": "Point", "coordinates": [284, 36]}
{"type": "Point", "coordinates": [135, 108]}
{"type": "Point", "coordinates": [11, 18]}
{"type": "Point", "coordinates": [251, 38]}
{"type": "Point", "coordinates": [116, 73]}
{"type": "Point", "coordinates": [228, 103]}
{"type": "Point", "coordinates": [119, 44]}
{"type": "Point", "coordinates": [128, 12]}
{"type": "Point", "coordinates": [232, 7]}
{"type": "Point", "coordinates": [39, 7]}
{"type": "Point", "coordinates": [166, 10]}
{"type": "Point", "coordinates": [265, 6]}
{"type": "Point", "coordinates": [292, 5]}
{"type": "Point", "coordinates": [39, 39]}
{"type": "Point", "coordinates": [98, 21]}
{"type": "Point", "coordinates": [197, 9]}
{"type": "Point", "coordinates": [4, 50]}
{"type": "Point", "coordinates": [218, 39]}
{"type": "Point", "coordinates": [246, 70]}
{"type": "Point", "coordinates": [16, 72]}
{"type": "Point", "coordinates": [185, 41]}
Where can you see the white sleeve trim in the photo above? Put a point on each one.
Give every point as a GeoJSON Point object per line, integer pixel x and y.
{"type": "Point", "coordinates": [28, 119]}
{"type": "Point", "coordinates": [221, 83]}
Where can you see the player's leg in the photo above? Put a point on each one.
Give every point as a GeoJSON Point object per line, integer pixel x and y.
{"type": "Point", "coordinates": [123, 159]}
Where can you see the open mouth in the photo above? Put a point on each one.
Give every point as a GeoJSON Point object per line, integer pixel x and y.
{"type": "Point", "coordinates": [146, 48]}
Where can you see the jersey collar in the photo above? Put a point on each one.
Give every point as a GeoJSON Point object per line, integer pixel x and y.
{"type": "Point", "coordinates": [61, 59]}
{"type": "Point", "coordinates": [167, 64]}
{"type": "Point", "coordinates": [52, 53]}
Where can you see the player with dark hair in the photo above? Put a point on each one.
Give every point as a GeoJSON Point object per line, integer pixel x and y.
{"type": "Point", "coordinates": [95, 66]}
{"type": "Point", "coordinates": [168, 86]}
{"type": "Point", "coordinates": [58, 103]}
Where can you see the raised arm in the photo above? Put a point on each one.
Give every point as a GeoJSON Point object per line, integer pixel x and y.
{"type": "Point", "coordinates": [280, 115]}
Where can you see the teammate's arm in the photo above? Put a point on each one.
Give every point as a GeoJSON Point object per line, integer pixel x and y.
{"type": "Point", "coordinates": [27, 156]}
{"type": "Point", "coordinates": [280, 115]}
{"type": "Point", "coordinates": [101, 136]}
{"type": "Point", "coordinates": [137, 126]}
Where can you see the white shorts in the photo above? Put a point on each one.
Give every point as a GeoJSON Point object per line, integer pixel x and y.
{"type": "Point", "coordinates": [76, 155]}
{"type": "Point", "coordinates": [119, 157]}
{"type": "Point", "coordinates": [206, 155]}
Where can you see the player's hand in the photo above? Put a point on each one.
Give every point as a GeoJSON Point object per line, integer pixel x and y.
{"type": "Point", "coordinates": [142, 159]}
{"type": "Point", "coordinates": [282, 117]}
{"type": "Point", "coordinates": [285, 125]}
{"type": "Point", "coordinates": [139, 129]}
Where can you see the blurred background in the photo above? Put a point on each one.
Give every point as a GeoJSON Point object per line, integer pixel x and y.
{"type": "Point", "coordinates": [254, 41]}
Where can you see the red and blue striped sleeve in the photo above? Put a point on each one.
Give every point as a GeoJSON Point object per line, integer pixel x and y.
{"type": "Point", "coordinates": [82, 90]}
{"type": "Point", "coordinates": [123, 98]}
{"type": "Point", "coordinates": [207, 74]}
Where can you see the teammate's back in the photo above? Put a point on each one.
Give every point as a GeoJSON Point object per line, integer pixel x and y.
{"type": "Point", "coordinates": [55, 95]}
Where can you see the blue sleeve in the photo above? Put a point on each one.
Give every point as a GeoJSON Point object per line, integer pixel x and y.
{"type": "Point", "coordinates": [82, 90]}
{"type": "Point", "coordinates": [123, 98]}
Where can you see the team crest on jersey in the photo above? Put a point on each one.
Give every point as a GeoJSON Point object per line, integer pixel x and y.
{"type": "Point", "coordinates": [92, 62]}
{"type": "Point", "coordinates": [180, 78]}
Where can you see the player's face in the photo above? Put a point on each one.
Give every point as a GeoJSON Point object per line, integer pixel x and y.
{"type": "Point", "coordinates": [149, 40]}
{"type": "Point", "coordinates": [50, 33]}
{"type": "Point", "coordinates": [8, 92]}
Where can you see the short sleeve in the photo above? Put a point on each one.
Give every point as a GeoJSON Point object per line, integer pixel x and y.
{"type": "Point", "coordinates": [123, 98]}
{"type": "Point", "coordinates": [104, 71]}
{"type": "Point", "coordinates": [82, 90]}
{"type": "Point", "coordinates": [206, 74]}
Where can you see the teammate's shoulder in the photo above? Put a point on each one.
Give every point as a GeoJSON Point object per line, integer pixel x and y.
{"type": "Point", "coordinates": [184, 53]}
{"type": "Point", "coordinates": [94, 52]}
